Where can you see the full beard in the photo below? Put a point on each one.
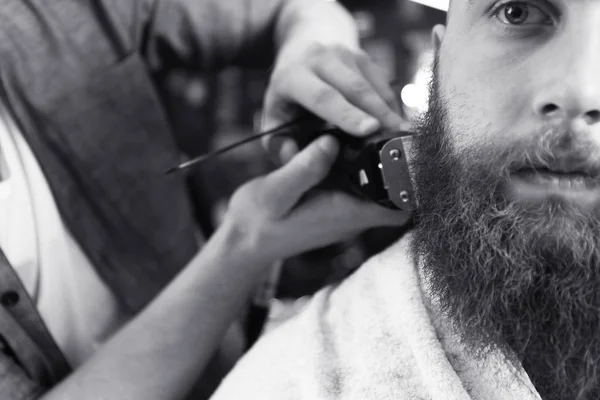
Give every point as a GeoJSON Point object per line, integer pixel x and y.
{"type": "Point", "coordinates": [521, 278]}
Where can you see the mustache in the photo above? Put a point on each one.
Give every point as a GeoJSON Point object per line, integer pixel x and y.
{"type": "Point", "coordinates": [554, 149]}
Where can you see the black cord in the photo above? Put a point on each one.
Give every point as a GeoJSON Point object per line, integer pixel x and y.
{"type": "Point", "coordinates": [204, 157]}
{"type": "Point", "coordinates": [274, 131]}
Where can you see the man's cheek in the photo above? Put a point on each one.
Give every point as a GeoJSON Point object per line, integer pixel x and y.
{"type": "Point", "coordinates": [495, 75]}
{"type": "Point", "coordinates": [489, 113]}
{"type": "Point", "coordinates": [468, 122]}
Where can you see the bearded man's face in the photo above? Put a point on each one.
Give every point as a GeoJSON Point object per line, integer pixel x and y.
{"type": "Point", "coordinates": [507, 169]}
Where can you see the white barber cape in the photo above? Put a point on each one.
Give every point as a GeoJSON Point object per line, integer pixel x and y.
{"type": "Point", "coordinates": [371, 338]}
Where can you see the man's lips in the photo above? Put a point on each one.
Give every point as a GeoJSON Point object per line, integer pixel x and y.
{"type": "Point", "coordinates": [559, 179]}
{"type": "Point", "coordinates": [539, 184]}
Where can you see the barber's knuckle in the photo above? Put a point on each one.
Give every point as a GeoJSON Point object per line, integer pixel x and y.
{"type": "Point", "coordinates": [323, 96]}
{"type": "Point", "coordinates": [389, 97]}
{"type": "Point", "coordinates": [317, 50]}
{"type": "Point", "coordinates": [278, 82]}
{"type": "Point", "coordinates": [330, 55]}
{"type": "Point", "coordinates": [313, 55]}
{"type": "Point", "coordinates": [387, 115]}
{"type": "Point", "coordinates": [250, 193]}
{"type": "Point", "coordinates": [360, 89]}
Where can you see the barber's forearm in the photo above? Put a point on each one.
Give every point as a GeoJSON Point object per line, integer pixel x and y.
{"type": "Point", "coordinates": [160, 354]}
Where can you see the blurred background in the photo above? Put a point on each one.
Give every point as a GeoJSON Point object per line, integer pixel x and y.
{"type": "Point", "coordinates": [211, 111]}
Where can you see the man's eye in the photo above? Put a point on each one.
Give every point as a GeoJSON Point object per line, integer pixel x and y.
{"type": "Point", "coordinates": [521, 13]}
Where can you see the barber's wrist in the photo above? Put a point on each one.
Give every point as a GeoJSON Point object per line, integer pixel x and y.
{"type": "Point", "coordinates": [244, 243]}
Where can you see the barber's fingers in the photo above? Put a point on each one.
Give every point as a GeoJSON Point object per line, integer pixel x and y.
{"type": "Point", "coordinates": [330, 217]}
{"type": "Point", "coordinates": [347, 211]}
{"type": "Point", "coordinates": [328, 102]}
{"type": "Point", "coordinates": [358, 88]}
{"type": "Point", "coordinates": [285, 186]}
{"type": "Point", "coordinates": [376, 76]}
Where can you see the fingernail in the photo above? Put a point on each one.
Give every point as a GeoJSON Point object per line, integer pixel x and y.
{"type": "Point", "coordinates": [369, 125]}
{"type": "Point", "coordinates": [395, 122]}
{"type": "Point", "coordinates": [329, 145]}
{"type": "Point", "coordinates": [405, 126]}
{"type": "Point", "coordinates": [288, 151]}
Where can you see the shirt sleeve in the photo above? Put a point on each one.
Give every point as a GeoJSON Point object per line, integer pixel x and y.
{"type": "Point", "coordinates": [210, 34]}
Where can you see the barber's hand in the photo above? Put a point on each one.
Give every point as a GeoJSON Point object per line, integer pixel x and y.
{"type": "Point", "coordinates": [339, 84]}
{"type": "Point", "coordinates": [278, 216]}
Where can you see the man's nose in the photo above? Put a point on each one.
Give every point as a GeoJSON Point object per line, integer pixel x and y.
{"type": "Point", "coordinates": [575, 98]}
{"type": "Point", "coordinates": [571, 90]}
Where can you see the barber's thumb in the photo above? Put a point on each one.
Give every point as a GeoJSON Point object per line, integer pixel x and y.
{"type": "Point", "coordinates": [314, 163]}
{"type": "Point", "coordinates": [378, 216]}
{"type": "Point", "coordinates": [303, 172]}
{"type": "Point", "coordinates": [281, 149]}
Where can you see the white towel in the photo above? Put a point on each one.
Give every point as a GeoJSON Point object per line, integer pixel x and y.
{"type": "Point", "coordinates": [371, 338]}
